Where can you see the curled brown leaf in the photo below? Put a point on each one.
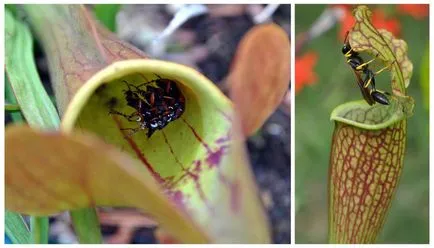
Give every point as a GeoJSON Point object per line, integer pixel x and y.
{"type": "Point", "coordinates": [75, 174]}
{"type": "Point", "coordinates": [260, 75]}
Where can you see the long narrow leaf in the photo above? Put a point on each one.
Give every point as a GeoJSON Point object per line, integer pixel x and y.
{"type": "Point", "coordinates": [16, 228]}
{"type": "Point", "coordinates": [29, 93]}
{"type": "Point", "coordinates": [21, 71]}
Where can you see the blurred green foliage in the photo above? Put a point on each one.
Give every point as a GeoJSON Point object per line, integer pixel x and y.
{"type": "Point", "coordinates": [106, 14]}
{"type": "Point", "coordinates": [408, 219]}
{"type": "Point", "coordinates": [424, 77]}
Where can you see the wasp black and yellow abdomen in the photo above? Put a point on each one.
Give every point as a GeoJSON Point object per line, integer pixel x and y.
{"type": "Point", "coordinates": [380, 97]}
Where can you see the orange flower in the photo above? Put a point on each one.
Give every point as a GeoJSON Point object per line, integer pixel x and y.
{"type": "Point", "coordinates": [304, 73]}
{"type": "Point", "coordinates": [379, 20]}
{"type": "Point", "coordinates": [347, 21]}
{"type": "Point", "coordinates": [418, 11]}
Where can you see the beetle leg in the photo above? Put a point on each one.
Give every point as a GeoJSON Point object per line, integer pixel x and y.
{"type": "Point", "coordinates": [128, 117]}
{"type": "Point", "coordinates": [131, 132]}
{"type": "Point", "coordinates": [128, 85]}
{"type": "Point", "coordinates": [142, 98]}
{"type": "Point", "coordinates": [168, 87]}
{"type": "Point", "coordinates": [152, 99]}
{"type": "Point", "coordinates": [143, 84]}
{"type": "Point", "coordinates": [114, 112]}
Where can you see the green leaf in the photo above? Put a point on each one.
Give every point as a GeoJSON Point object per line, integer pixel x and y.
{"type": "Point", "coordinates": [106, 13]}
{"type": "Point", "coordinates": [23, 77]}
{"type": "Point", "coordinates": [12, 8]}
{"type": "Point", "coordinates": [16, 228]}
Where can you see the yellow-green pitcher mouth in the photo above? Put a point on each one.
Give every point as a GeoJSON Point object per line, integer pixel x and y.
{"type": "Point", "coordinates": [176, 145]}
{"type": "Point", "coordinates": [375, 117]}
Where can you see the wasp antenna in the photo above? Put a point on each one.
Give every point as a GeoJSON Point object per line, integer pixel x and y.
{"type": "Point", "coordinates": [346, 36]}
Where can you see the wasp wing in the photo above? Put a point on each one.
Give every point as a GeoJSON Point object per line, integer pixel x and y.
{"type": "Point", "coordinates": [365, 91]}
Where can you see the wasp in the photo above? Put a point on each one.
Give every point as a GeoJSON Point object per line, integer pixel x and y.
{"type": "Point", "coordinates": [156, 104]}
{"type": "Point", "coordinates": [371, 95]}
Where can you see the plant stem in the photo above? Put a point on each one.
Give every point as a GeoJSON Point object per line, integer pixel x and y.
{"type": "Point", "coordinates": [39, 227]}
{"type": "Point", "coordinates": [86, 225]}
